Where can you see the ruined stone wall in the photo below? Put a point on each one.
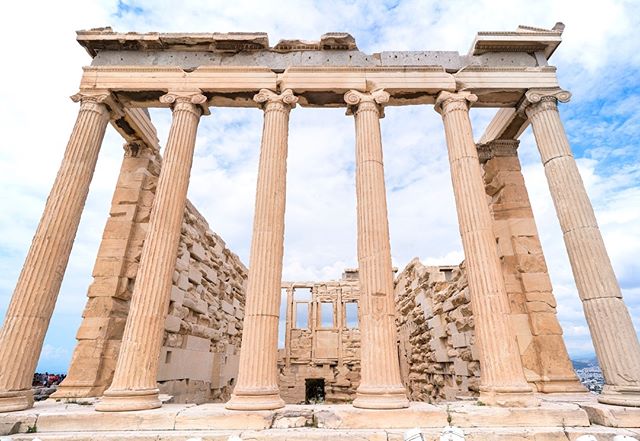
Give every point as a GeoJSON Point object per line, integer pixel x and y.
{"type": "Point", "coordinates": [438, 359]}
{"type": "Point", "coordinates": [200, 353]}
{"type": "Point", "coordinates": [198, 360]}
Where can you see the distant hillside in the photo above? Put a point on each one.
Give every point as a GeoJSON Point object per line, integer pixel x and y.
{"type": "Point", "coordinates": [584, 363]}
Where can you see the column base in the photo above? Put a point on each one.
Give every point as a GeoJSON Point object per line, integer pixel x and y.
{"type": "Point", "coordinates": [125, 400]}
{"type": "Point", "coordinates": [560, 386]}
{"type": "Point", "coordinates": [620, 395]}
{"type": "Point", "coordinates": [269, 400]}
{"type": "Point", "coordinates": [393, 397]}
{"type": "Point", "coordinates": [11, 401]}
{"type": "Point", "coordinates": [71, 391]}
{"type": "Point", "coordinates": [508, 396]}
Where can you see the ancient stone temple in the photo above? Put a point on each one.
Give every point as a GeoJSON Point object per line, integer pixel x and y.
{"type": "Point", "coordinates": [179, 339]}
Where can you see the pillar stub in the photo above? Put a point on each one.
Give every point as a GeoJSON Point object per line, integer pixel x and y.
{"type": "Point", "coordinates": [448, 101]}
{"type": "Point", "coordinates": [267, 99]}
{"type": "Point", "coordinates": [97, 100]}
{"type": "Point", "coordinates": [375, 99]}
{"type": "Point", "coordinates": [135, 147]}
{"type": "Point", "coordinates": [497, 148]}
{"type": "Point", "coordinates": [191, 99]}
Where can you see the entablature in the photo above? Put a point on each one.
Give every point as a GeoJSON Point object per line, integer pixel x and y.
{"type": "Point", "coordinates": [137, 86]}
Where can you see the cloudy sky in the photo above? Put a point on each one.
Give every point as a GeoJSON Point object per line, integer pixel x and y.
{"type": "Point", "coordinates": [598, 61]}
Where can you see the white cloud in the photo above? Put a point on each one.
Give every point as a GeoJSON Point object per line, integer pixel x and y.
{"type": "Point", "coordinates": [597, 60]}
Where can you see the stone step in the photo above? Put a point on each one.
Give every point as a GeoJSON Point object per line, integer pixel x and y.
{"type": "Point", "coordinates": [70, 417]}
{"type": "Point", "coordinates": [314, 434]}
{"type": "Point", "coordinates": [72, 421]}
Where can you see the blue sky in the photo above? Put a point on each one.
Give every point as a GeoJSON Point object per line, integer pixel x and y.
{"type": "Point", "coordinates": [598, 61]}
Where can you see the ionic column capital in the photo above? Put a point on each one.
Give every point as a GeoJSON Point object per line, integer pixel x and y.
{"type": "Point", "coordinates": [270, 100]}
{"type": "Point", "coordinates": [99, 101]}
{"type": "Point", "coordinates": [449, 101]}
{"type": "Point", "coordinates": [190, 100]}
{"type": "Point", "coordinates": [358, 101]}
{"type": "Point", "coordinates": [536, 100]}
{"type": "Point", "coordinates": [497, 148]}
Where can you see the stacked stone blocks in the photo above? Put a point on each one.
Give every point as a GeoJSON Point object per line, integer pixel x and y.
{"type": "Point", "coordinates": [198, 360]}
{"type": "Point", "coordinates": [435, 322]}
{"type": "Point", "coordinates": [532, 304]}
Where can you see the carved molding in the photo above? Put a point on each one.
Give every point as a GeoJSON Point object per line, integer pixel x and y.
{"type": "Point", "coordinates": [365, 69]}
{"type": "Point", "coordinates": [186, 100]}
{"type": "Point", "coordinates": [507, 69]}
{"type": "Point", "coordinates": [269, 99]}
{"type": "Point", "coordinates": [449, 101]}
{"type": "Point", "coordinates": [156, 69]}
{"type": "Point", "coordinates": [357, 101]}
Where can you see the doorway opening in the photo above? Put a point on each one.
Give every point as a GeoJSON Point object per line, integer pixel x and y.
{"type": "Point", "coordinates": [314, 390]}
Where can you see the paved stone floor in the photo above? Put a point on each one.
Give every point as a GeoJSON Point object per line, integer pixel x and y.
{"type": "Point", "coordinates": [558, 418]}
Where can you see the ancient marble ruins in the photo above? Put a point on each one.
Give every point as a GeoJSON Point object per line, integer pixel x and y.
{"type": "Point", "coordinates": [179, 338]}
{"type": "Point", "coordinates": [320, 360]}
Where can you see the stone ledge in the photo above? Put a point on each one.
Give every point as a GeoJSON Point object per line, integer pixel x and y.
{"type": "Point", "coordinates": [85, 418]}
{"type": "Point", "coordinates": [215, 416]}
{"type": "Point", "coordinates": [417, 415]}
{"type": "Point", "coordinates": [469, 414]}
{"type": "Point", "coordinates": [312, 434]}
{"type": "Point", "coordinates": [55, 417]}
{"type": "Point", "coordinates": [612, 416]}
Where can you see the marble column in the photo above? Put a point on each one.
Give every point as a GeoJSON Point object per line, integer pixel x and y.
{"type": "Point", "coordinates": [134, 384]}
{"type": "Point", "coordinates": [614, 338]}
{"type": "Point", "coordinates": [257, 387]}
{"type": "Point", "coordinates": [502, 380]}
{"type": "Point", "coordinates": [380, 384]}
{"type": "Point", "coordinates": [94, 358]}
{"type": "Point", "coordinates": [38, 286]}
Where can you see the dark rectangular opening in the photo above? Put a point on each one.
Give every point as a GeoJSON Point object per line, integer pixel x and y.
{"type": "Point", "coordinates": [314, 390]}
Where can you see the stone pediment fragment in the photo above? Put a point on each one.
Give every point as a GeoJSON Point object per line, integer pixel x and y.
{"type": "Point", "coordinates": [338, 41]}
{"type": "Point", "coordinates": [330, 41]}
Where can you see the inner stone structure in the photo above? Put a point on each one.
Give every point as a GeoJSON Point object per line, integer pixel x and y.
{"type": "Point", "coordinates": [321, 341]}
{"type": "Point", "coordinates": [171, 309]}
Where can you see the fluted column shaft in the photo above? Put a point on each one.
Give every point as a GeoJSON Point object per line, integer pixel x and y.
{"type": "Point", "coordinates": [134, 383]}
{"type": "Point", "coordinates": [612, 332]}
{"type": "Point", "coordinates": [502, 380]}
{"type": "Point", "coordinates": [257, 387]}
{"type": "Point", "coordinates": [38, 286]}
{"type": "Point", "coordinates": [380, 382]}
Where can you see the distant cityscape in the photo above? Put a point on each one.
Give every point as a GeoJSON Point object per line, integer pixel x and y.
{"type": "Point", "coordinates": [589, 374]}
